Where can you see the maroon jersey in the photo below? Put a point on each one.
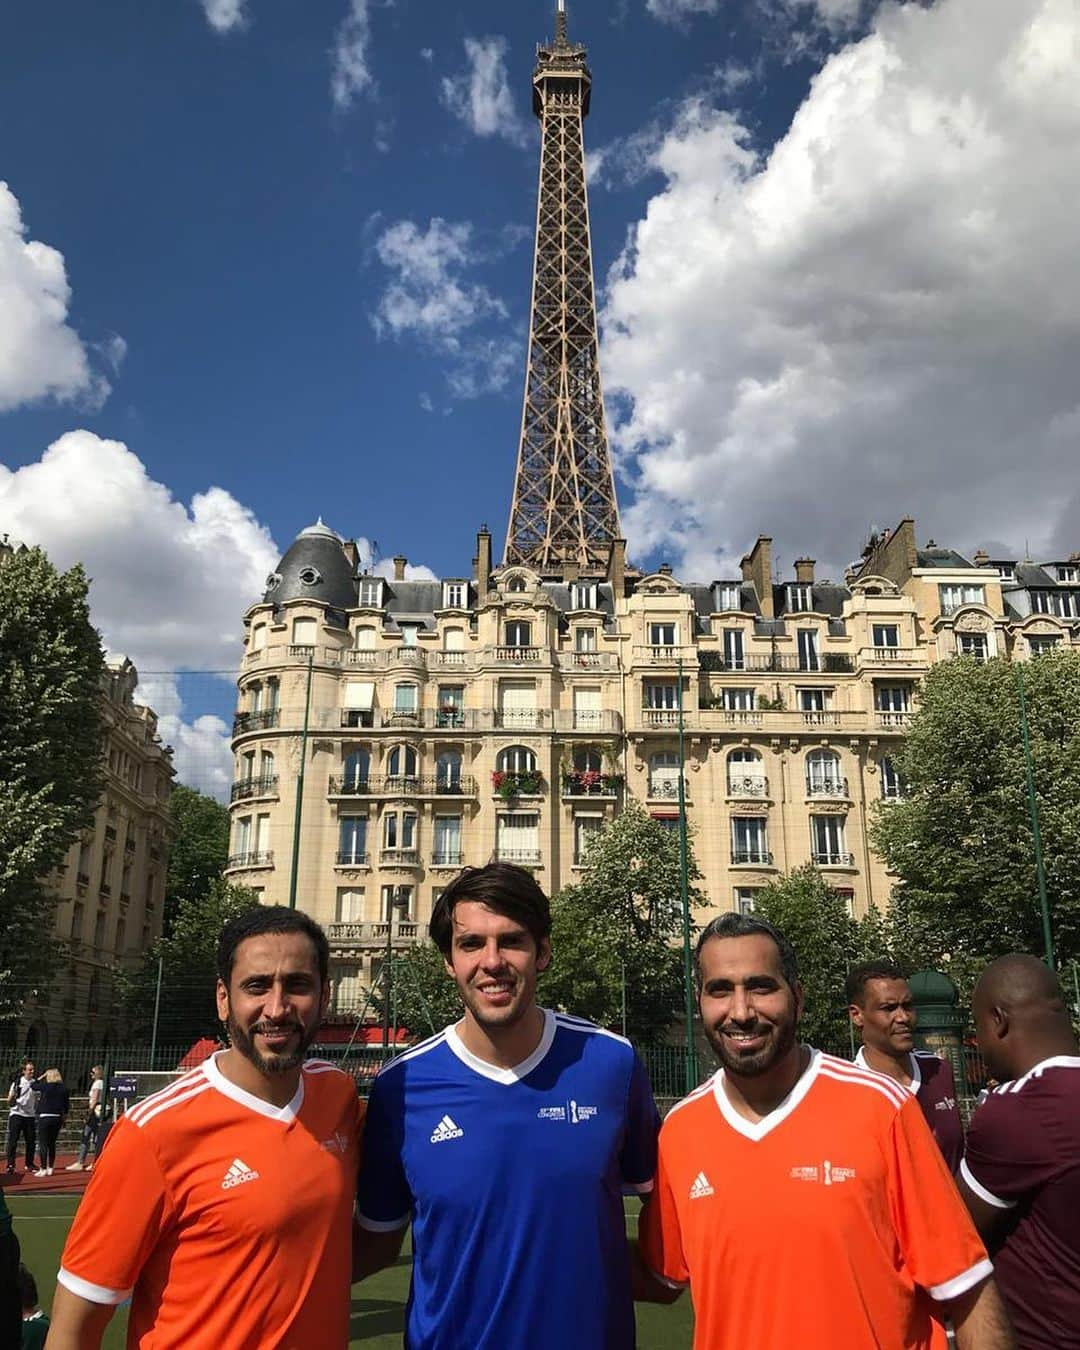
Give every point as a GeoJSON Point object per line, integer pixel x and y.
{"type": "Point", "coordinates": [933, 1085]}
{"type": "Point", "coordinates": [1023, 1154]}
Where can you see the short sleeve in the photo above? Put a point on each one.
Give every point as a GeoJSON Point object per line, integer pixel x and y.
{"type": "Point", "coordinates": [1007, 1155]}
{"type": "Point", "coordinates": [384, 1201]}
{"type": "Point", "coordinates": [637, 1161]}
{"type": "Point", "coordinates": [121, 1218]}
{"type": "Point", "coordinates": [659, 1230]}
{"type": "Point", "coordinates": [938, 1242]}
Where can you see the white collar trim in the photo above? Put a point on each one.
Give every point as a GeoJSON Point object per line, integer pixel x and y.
{"type": "Point", "coordinates": [237, 1094]}
{"type": "Point", "coordinates": [1054, 1062]}
{"type": "Point", "coordinates": [913, 1068]}
{"type": "Point", "coordinates": [492, 1071]}
{"type": "Point", "coordinates": [757, 1130]}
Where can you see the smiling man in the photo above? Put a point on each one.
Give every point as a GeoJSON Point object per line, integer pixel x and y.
{"type": "Point", "coordinates": [223, 1205]}
{"type": "Point", "coordinates": [883, 1012]}
{"type": "Point", "coordinates": [507, 1141]}
{"type": "Point", "coordinates": [802, 1198]}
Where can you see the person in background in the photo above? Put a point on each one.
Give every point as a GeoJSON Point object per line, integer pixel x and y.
{"type": "Point", "coordinates": [35, 1325]}
{"type": "Point", "coordinates": [54, 1103]}
{"type": "Point", "coordinates": [883, 1012]}
{"type": "Point", "coordinates": [92, 1128]}
{"type": "Point", "coordinates": [21, 1121]}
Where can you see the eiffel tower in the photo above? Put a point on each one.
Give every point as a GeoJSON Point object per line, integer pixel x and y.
{"type": "Point", "coordinates": [564, 514]}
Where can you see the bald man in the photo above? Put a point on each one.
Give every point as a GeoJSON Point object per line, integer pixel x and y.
{"type": "Point", "coordinates": [1021, 1173]}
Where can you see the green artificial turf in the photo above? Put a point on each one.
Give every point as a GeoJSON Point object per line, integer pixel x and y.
{"type": "Point", "coordinates": [378, 1305]}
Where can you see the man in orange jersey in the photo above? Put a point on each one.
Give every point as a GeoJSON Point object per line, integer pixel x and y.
{"type": "Point", "coordinates": [223, 1205]}
{"type": "Point", "coordinates": [803, 1199]}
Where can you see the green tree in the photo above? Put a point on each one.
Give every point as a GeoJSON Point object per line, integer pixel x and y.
{"type": "Point", "coordinates": [827, 941]}
{"type": "Point", "coordinates": [961, 839]}
{"type": "Point", "coordinates": [198, 850]}
{"type": "Point", "coordinates": [188, 958]}
{"type": "Point", "coordinates": [617, 933]}
{"type": "Point", "coordinates": [425, 998]}
{"type": "Point", "coordinates": [50, 748]}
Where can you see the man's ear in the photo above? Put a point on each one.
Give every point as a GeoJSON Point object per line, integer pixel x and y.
{"type": "Point", "coordinates": [1000, 1020]}
{"type": "Point", "coordinates": [324, 1002]}
{"type": "Point", "coordinates": [856, 1015]}
{"type": "Point", "coordinates": [543, 954]}
{"type": "Point", "coordinates": [221, 996]}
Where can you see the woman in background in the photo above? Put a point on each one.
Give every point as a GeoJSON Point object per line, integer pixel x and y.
{"type": "Point", "coordinates": [53, 1106]}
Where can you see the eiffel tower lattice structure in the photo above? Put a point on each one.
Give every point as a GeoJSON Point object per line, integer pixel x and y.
{"type": "Point", "coordinates": [564, 514]}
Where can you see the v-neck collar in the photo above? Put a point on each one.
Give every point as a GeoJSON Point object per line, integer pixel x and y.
{"type": "Point", "coordinates": [237, 1094]}
{"type": "Point", "coordinates": [913, 1067]}
{"type": "Point", "coordinates": [491, 1071]}
{"type": "Point", "coordinates": [755, 1131]}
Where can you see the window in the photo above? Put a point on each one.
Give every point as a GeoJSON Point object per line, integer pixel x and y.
{"type": "Point", "coordinates": [737, 700]}
{"type": "Point", "coordinates": [733, 649]}
{"type": "Point", "coordinates": [303, 632]}
{"type": "Point", "coordinates": [370, 592]}
{"type": "Point", "coordinates": [450, 706]}
{"type": "Point", "coordinates": [356, 769]}
{"type": "Point", "coordinates": [348, 989]}
{"type": "Point", "coordinates": [397, 904]}
{"type": "Point", "coordinates": [808, 651]}
{"type": "Point", "coordinates": [258, 637]}
{"type": "Point", "coordinates": [365, 639]}
{"type": "Point", "coordinates": [518, 633]}
{"type": "Point", "coordinates": [455, 594]}
{"type": "Point", "coordinates": [350, 904]}
{"type": "Point", "coordinates": [814, 700]}
{"type": "Point", "coordinates": [886, 635]}
{"type": "Point", "coordinates": [891, 698]}
{"type": "Point", "coordinates": [1039, 646]}
{"type": "Point", "coordinates": [266, 768]}
{"type": "Point", "coordinates": [659, 695]}
{"type": "Point", "coordinates": [518, 838]}
{"type": "Point", "coordinates": [728, 596]}
{"type": "Point", "coordinates": [243, 835]}
{"type": "Point", "coordinates": [1065, 604]}
{"type": "Point", "coordinates": [800, 598]}
{"type": "Point", "coordinates": [743, 897]}
{"type": "Point", "coordinates": [401, 765]}
{"type": "Point", "coordinates": [748, 840]}
{"type": "Point", "coordinates": [454, 641]}
{"type": "Point", "coordinates": [583, 595]}
{"type": "Point", "coordinates": [516, 585]}
{"type": "Point", "coordinates": [584, 639]}
{"type": "Point", "coordinates": [255, 698]}
{"type": "Point", "coordinates": [588, 712]}
{"type": "Point", "coordinates": [78, 910]}
{"type": "Point", "coordinates": [99, 929]}
{"type": "Point", "coordinates": [517, 703]}
{"type": "Point", "coordinates": [446, 850]}
{"type": "Point", "coordinates": [448, 771]}
{"type": "Point", "coordinates": [358, 703]}
{"type": "Point", "coordinates": [273, 693]}
{"type": "Point", "coordinates": [827, 840]}
{"type": "Point", "coordinates": [1068, 575]}
{"type": "Point", "coordinates": [745, 774]}
{"type": "Point", "coordinates": [952, 597]}
{"type": "Point", "coordinates": [664, 775]}
{"type": "Point", "coordinates": [516, 759]}
{"type": "Point", "coordinates": [892, 785]}
{"type": "Point", "coordinates": [1006, 571]}
{"type": "Point", "coordinates": [587, 759]}
{"type": "Point", "coordinates": [262, 832]}
{"type": "Point", "coordinates": [406, 698]}
{"type": "Point", "coordinates": [399, 830]}
{"type": "Point", "coordinates": [823, 776]}
{"type": "Point", "coordinates": [408, 634]}
{"type": "Point", "coordinates": [586, 828]}
{"type": "Point", "coordinates": [973, 644]}
{"type": "Point", "coordinates": [663, 635]}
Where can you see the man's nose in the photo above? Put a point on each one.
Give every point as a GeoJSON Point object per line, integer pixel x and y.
{"type": "Point", "coordinates": [742, 1007]}
{"type": "Point", "coordinates": [277, 1002]}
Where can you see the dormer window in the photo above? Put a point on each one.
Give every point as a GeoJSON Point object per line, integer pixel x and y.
{"type": "Point", "coordinates": [371, 592]}
{"type": "Point", "coordinates": [1006, 571]}
{"type": "Point", "coordinates": [455, 594]}
{"type": "Point", "coordinates": [1068, 575]}
{"type": "Point", "coordinates": [310, 576]}
{"type": "Point", "coordinates": [408, 634]}
{"type": "Point", "coordinates": [728, 596]}
{"type": "Point", "coordinates": [516, 584]}
{"type": "Point", "coordinates": [952, 597]}
{"type": "Point", "coordinates": [583, 595]}
{"type": "Point", "coordinates": [800, 598]}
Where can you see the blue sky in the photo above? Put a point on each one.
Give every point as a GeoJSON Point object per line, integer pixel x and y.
{"type": "Point", "coordinates": [262, 260]}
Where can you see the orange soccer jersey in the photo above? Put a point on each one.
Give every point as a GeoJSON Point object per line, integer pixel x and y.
{"type": "Point", "coordinates": [832, 1224]}
{"type": "Point", "coordinates": [227, 1219]}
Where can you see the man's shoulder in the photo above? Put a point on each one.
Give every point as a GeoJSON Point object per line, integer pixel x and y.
{"type": "Point", "coordinates": [861, 1089]}
{"type": "Point", "coordinates": [1050, 1087]}
{"type": "Point", "coordinates": [578, 1031]}
{"type": "Point", "coordinates": [687, 1111]}
{"type": "Point", "coordinates": [424, 1058]}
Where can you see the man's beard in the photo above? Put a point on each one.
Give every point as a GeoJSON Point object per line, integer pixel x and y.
{"type": "Point", "coordinates": [781, 1039]}
{"type": "Point", "coordinates": [244, 1043]}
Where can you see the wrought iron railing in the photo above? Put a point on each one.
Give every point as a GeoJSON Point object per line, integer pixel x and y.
{"type": "Point", "coordinates": [255, 721]}
{"type": "Point", "coordinates": [258, 858]}
{"type": "Point", "coordinates": [254, 787]}
{"type": "Point", "coordinates": [761, 856]}
{"type": "Point", "coordinates": [830, 787]}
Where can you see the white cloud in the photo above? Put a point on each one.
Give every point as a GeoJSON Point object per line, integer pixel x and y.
{"type": "Point", "coordinates": [41, 356]}
{"type": "Point", "coordinates": [350, 73]}
{"type": "Point", "coordinates": [883, 316]}
{"type": "Point", "coordinates": [224, 15]}
{"type": "Point", "coordinates": [431, 299]}
{"type": "Point", "coordinates": [677, 11]}
{"type": "Point", "coordinates": [481, 95]}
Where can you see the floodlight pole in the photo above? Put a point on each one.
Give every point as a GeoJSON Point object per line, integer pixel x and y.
{"type": "Point", "coordinates": [684, 896]}
{"type": "Point", "coordinates": [1033, 809]}
{"type": "Point", "coordinates": [300, 786]}
{"type": "Point", "coordinates": [157, 1009]}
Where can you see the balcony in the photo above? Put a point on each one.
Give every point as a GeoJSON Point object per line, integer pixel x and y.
{"type": "Point", "coordinates": [590, 783]}
{"type": "Point", "coordinates": [409, 658]}
{"type": "Point", "coordinates": [264, 858]}
{"type": "Point", "coordinates": [254, 787]}
{"type": "Point", "coordinates": [402, 785]}
{"type": "Point", "coordinates": [355, 933]}
{"type": "Point", "coordinates": [110, 833]}
{"type": "Point", "coordinates": [444, 660]}
{"type": "Point", "coordinates": [827, 789]}
{"type": "Point", "coordinates": [667, 789]}
{"type": "Point", "coordinates": [666, 656]}
{"type": "Point", "coordinates": [105, 888]}
{"type": "Point", "coordinates": [529, 719]}
{"type": "Point", "coordinates": [83, 878]}
{"type": "Point", "coordinates": [751, 857]}
{"type": "Point", "coordinates": [890, 656]}
{"type": "Point", "coordinates": [750, 786]}
{"type": "Point", "coordinates": [402, 719]}
{"type": "Point", "coordinates": [825, 663]}
{"type": "Point", "coordinates": [448, 858]}
{"type": "Point", "coordinates": [300, 651]}
{"type": "Point", "coordinates": [255, 721]}
{"type": "Point", "coordinates": [399, 857]}
{"type": "Point", "coordinates": [592, 662]}
{"type": "Point", "coordinates": [662, 717]}
{"type": "Point", "coordinates": [832, 859]}
{"type": "Point", "coordinates": [357, 717]}
{"type": "Point", "coordinates": [892, 721]}
{"type": "Point", "coordinates": [521, 857]}
{"type": "Point", "coordinates": [351, 857]}
{"type": "Point", "coordinates": [518, 656]}
{"type": "Point", "coordinates": [508, 785]}
{"type": "Point", "coordinates": [450, 719]}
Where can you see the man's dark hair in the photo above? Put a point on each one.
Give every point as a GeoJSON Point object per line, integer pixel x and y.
{"type": "Point", "coordinates": [859, 976]}
{"type": "Point", "coordinates": [748, 925]}
{"type": "Point", "coordinates": [269, 919]}
{"type": "Point", "coordinates": [27, 1289]}
{"type": "Point", "coordinates": [502, 887]}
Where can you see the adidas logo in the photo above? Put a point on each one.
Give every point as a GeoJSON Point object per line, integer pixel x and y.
{"type": "Point", "coordinates": [238, 1173]}
{"type": "Point", "coordinates": [701, 1187]}
{"type": "Point", "coordinates": [446, 1129]}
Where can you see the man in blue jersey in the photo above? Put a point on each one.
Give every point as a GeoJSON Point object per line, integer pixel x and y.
{"type": "Point", "coordinates": [507, 1141]}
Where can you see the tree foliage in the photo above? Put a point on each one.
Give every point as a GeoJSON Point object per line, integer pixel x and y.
{"type": "Point", "coordinates": [198, 851]}
{"type": "Point", "coordinates": [188, 958]}
{"type": "Point", "coordinates": [50, 752]}
{"type": "Point", "coordinates": [961, 840]}
{"type": "Point", "coordinates": [616, 934]}
{"type": "Point", "coordinates": [425, 998]}
{"type": "Point", "coordinates": [827, 941]}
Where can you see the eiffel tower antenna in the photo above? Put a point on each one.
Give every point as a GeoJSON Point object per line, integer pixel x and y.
{"type": "Point", "coordinates": [564, 512]}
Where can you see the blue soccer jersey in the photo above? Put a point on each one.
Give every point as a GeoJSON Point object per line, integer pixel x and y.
{"type": "Point", "coordinates": [513, 1180]}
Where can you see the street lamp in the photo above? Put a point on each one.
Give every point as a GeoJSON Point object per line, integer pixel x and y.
{"type": "Point", "coordinates": [398, 900]}
{"type": "Point", "coordinates": [684, 896]}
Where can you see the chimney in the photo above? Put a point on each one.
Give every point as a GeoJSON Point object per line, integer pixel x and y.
{"type": "Point", "coordinates": [981, 558]}
{"type": "Point", "coordinates": [616, 568]}
{"type": "Point", "coordinates": [482, 562]}
{"type": "Point", "coordinates": [399, 566]}
{"type": "Point", "coordinates": [352, 553]}
{"type": "Point", "coordinates": [757, 568]}
{"type": "Point", "coordinates": [664, 569]}
{"type": "Point", "coordinates": [804, 570]}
